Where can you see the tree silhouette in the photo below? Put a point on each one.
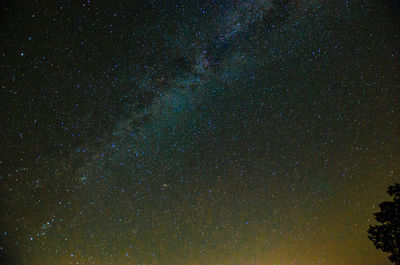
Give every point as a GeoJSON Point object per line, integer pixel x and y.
{"type": "Point", "coordinates": [386, 236]}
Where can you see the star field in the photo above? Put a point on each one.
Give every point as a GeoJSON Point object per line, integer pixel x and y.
{"type": "Point", "coordinates": [197, 132]}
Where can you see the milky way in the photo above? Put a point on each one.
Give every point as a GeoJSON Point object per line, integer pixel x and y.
{"type": "Point", "coordinates": [197, 132]}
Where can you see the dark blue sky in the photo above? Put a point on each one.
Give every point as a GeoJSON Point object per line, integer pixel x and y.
{"type": "Point", "coordinates": [214, 132]}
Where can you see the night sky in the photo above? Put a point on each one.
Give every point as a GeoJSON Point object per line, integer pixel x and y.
{"type": "Point", "coordinates": [197, 132]}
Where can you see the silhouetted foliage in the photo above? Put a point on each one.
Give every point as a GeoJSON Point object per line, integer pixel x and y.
{"type": "Point", "coordinates": [386, 236]}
